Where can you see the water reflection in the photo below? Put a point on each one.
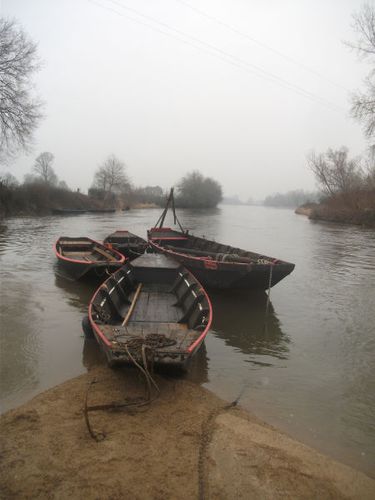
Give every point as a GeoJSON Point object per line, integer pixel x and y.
{"type": "Point", "coordinates": [240, 320]}
{"type": "Point", "coordinates": [76, 293]}
{"type": "Point", "coordinates": [192, 220]}
{"type": "Point", "coordinates": [92, 355]}
{"type": "Point", "coordinates": [198, 369]}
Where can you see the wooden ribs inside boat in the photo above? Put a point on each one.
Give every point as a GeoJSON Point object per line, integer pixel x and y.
{"type": "Point", "coordinates": [155, 298]}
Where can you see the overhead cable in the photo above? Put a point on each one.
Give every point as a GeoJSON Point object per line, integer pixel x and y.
{"type": "Point", "coordinates": [217, 52]}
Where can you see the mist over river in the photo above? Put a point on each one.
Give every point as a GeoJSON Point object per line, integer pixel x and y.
{"type": "Point", "coordinates": [310, 370]}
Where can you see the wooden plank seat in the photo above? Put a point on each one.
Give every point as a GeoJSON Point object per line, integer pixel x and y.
{"type": "Point", "coordinates": [74, 243]}
{"type": "Point", "coordinates": [77, 253]}
{"type": "Point", "coordinates": [104, 253]}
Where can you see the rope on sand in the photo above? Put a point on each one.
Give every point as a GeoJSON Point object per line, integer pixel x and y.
{"type": "Point", "coordinates": [206, 436]}
{"type": "Point", "coordinates": [137, 353]}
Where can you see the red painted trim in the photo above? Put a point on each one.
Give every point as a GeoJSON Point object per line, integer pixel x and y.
{"type": "Point", "coordinates": [169, 238]}
{"type": "Point", "coordinates": [92, 322]}
{"type": "Point", "coordinates": [120, 257]}
{"type": "Point", "coordinates": [156, 229]}
{"type": "Point", "coordinates": [205, 331]}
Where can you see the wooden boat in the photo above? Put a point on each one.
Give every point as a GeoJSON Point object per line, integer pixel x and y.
{"type": "Point", "coordinates": [150, 307]}
{"type": "Point", "coordinates": [216, 265]}
{"type": "Point", "coordinates": [128, 244]}
{"type": "Point", "coordinates": [102, 210]}
{"type": "Point", "coordinates": [76, 211]}
{"type": "Point", "coordinates": [79, 257]}
{"type": "Point", "coordinates": [68, 211]}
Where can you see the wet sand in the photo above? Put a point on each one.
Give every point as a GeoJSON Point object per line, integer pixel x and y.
{"type": "Point", "coordinates": [186, 444]}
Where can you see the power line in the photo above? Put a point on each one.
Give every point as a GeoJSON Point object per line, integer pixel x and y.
{"type": "Point", "coordinates": [217, 52]}
{"type": "Point", "coordinates": [261, 44]}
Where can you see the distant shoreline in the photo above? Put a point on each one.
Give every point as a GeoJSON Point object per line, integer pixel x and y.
{"type": "Point", "coordinates": [75, 211]}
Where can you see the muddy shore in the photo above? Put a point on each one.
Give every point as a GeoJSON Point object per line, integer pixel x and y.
{"type": "Point", "coordinates": [186, 444]}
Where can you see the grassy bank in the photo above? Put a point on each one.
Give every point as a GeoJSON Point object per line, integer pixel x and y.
{"type": "Point", "coordinates": [357, 207]}
{"type": "Point", "coordinates": [39, 199]}
{"type": "Point", "coordinates": [42, 199]}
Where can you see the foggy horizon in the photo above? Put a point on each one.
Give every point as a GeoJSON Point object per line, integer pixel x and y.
{"type": "Point", "coordinates": [239, 92]}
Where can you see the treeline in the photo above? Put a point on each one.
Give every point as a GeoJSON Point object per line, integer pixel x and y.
{"type": "Point", "coordinates": [349, 183]}
{"type": "Point", "coordinates": [42, 191]}
{"type": "Point", "coordinates": [291, 199]}
{"type": "Point", "coordinates": [40, 199]}
{"type": "Point", "coordinates": [348, 187]}
{"type": "Point", "coordinates": [112, 183]}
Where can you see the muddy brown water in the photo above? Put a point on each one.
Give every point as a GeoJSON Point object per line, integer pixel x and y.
{"type": "Point", "coordinates": [310, 370]}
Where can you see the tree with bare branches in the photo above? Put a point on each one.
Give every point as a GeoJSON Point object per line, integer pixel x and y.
{"type": "Point", "coordinates": [363, 102]}
{"type": "Point", "coordinates": [111, 177]}
{"type": "Point", "coordinates": [43, 168]}
{"type": "Point", "coordinates": [19, 108]}
{"type": "Point", "coordinates": [335, 172]}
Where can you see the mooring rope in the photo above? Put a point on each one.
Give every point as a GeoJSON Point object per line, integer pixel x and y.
{"type": "Point", "coordinates": [268, 296]}
{"type": "Point", "coordinates": [206, 436]}
{"type": "Point", "coordinates": [138, 346]}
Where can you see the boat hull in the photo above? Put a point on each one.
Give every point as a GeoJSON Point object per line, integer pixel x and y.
{"type": "Point", "coordinates": [80, 270]}
{"type": "Point", "coordinates": [128, 244]}
{"type": "Point", "coordinates": [257, 273]}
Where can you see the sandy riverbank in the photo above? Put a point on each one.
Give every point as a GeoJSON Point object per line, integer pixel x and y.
{"type": "Point", "coordinates": [154, 453]}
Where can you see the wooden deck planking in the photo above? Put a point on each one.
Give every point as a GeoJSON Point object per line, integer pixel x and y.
{"type": "Point", "coordinates": [156, 307]}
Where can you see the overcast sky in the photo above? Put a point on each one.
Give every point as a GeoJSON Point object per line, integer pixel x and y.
{"type": "Point", "coordinates": [168, 90]}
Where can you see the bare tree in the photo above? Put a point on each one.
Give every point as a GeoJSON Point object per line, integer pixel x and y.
{"type": "Point", "coordinates": [334, 171]}
{"type": "Point", "coordinates": [363, 103]}
{"type": "Point", "coordinates": [111, 176]}
{"type": "Point", "coordinates": [63, 185]}
{"type": "Point", "coordinates": [8, 180]}
{"type": "Point", "coordinates": [43, 168]}
{"type": "Point", "coordinates": [369, 169]}
{"type": "Point", "coordinates": [19, 109]}
{"type": "Point", "coordinates": [364, 27]}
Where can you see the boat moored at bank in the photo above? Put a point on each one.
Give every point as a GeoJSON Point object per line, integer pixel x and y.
{"type": "Point", "coordinates": [152, 309]}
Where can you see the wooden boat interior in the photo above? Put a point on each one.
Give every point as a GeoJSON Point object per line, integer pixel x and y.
{"type": "Point", "coordinates": [123, 236]}
{"type": "Point", "coordinates": [84, 249]}
{"type": "Point", "coordinates": [159, 300]}
{"type": "Point", "coordinates": [195, 246]}
{"type": "Point", "coordinates": [127, 243]}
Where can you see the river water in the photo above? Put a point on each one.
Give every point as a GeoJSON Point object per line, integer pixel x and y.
{"type": "Point", "coordinates": [309, 369]}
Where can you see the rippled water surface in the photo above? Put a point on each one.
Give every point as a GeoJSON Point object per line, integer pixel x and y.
{"type": "Point", "coordinates": [310, 370]}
